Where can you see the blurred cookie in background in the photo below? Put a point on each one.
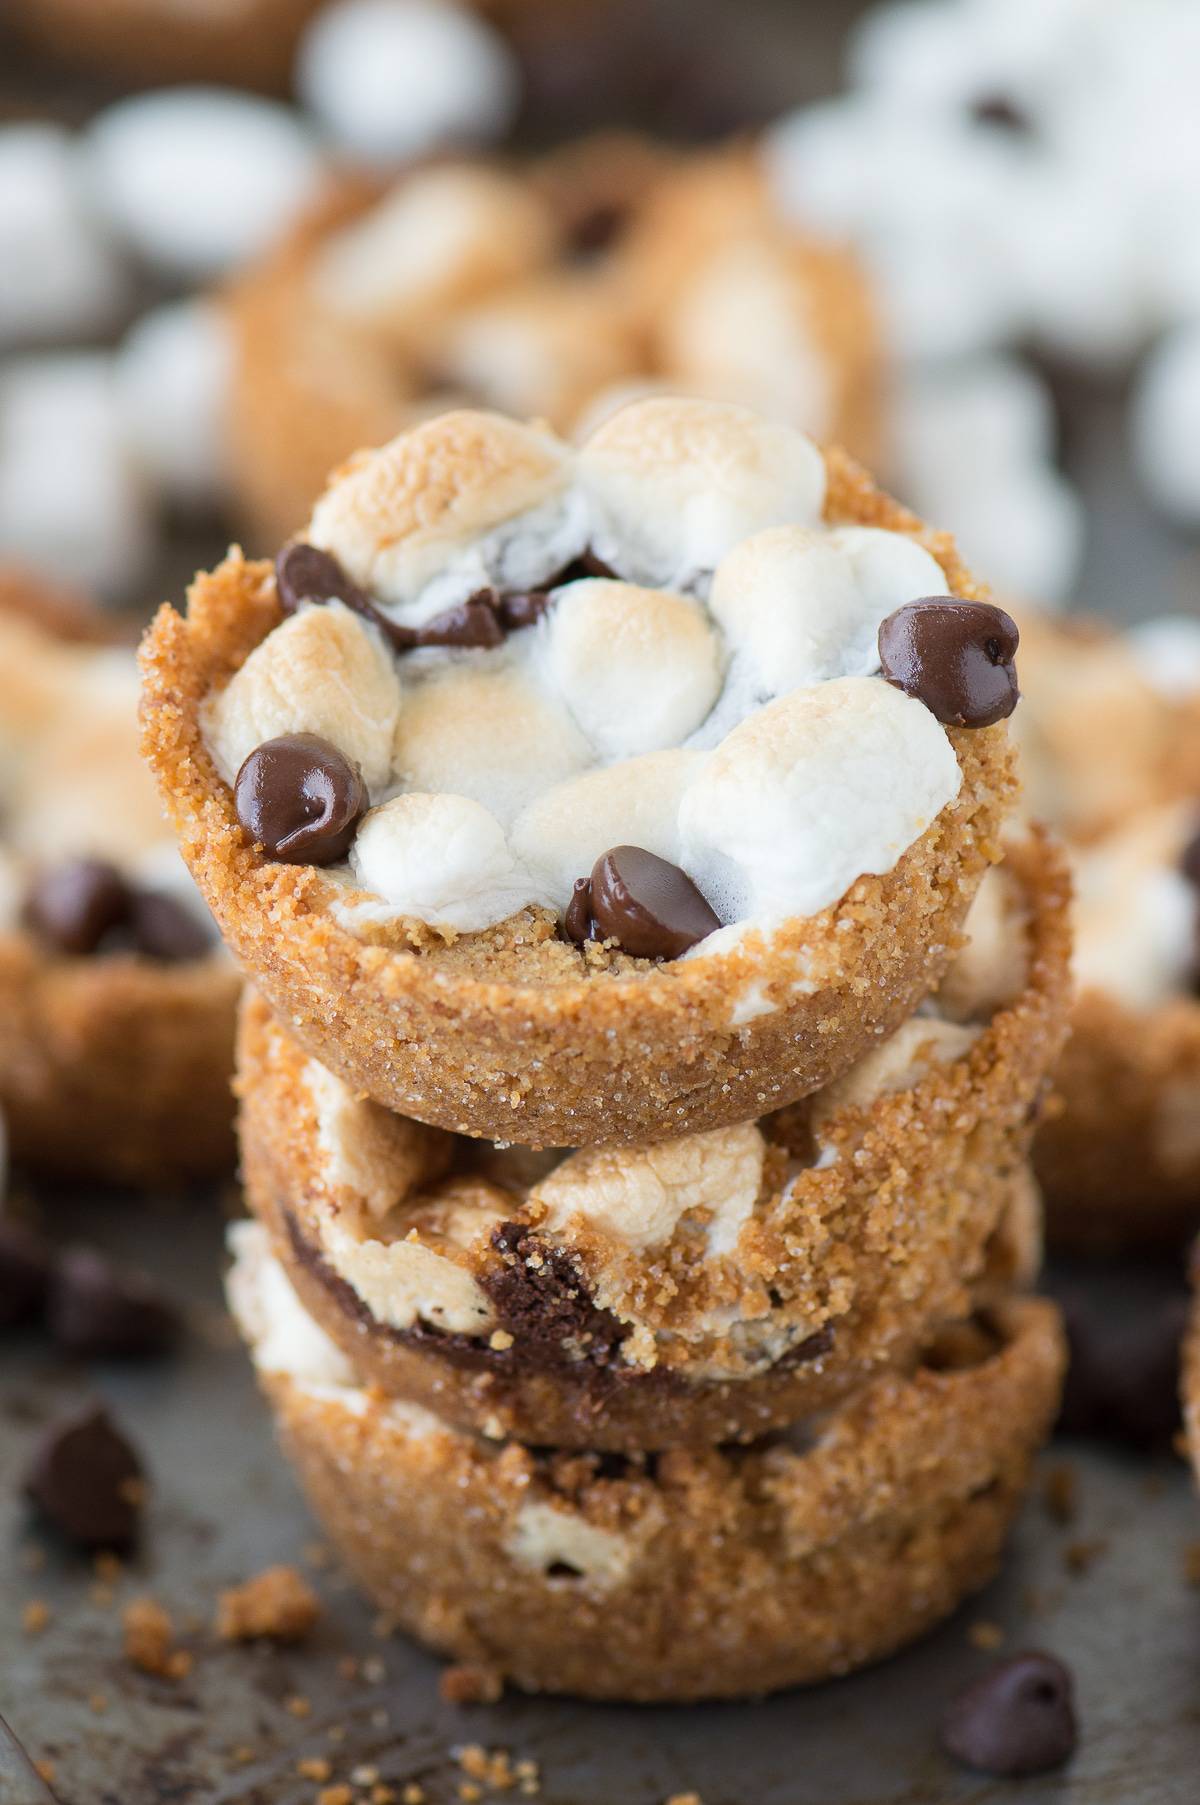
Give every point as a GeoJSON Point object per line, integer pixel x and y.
{"type": "Point", "coordinates": [116, 1001]}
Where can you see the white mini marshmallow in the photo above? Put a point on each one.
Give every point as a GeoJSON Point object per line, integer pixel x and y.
{"type": "Point", "coordinates": [174, 373]}
{"type": "Point", "coordinates": [638, 668]}
{"type": "Point", "coordinates": [72, 502]}
{"type": "Point", "coordinates": [283, 1337]}
{"type": "Point", "coordinates": [545, 1537]}
{"type": "Point", "coordinates": [636, 803]}
{"type": "Point", "coordinates": [486, 732]}
{"type": "Point", "coordinates": [809, 794]}
{"type": "Point", "coordinates": [1024, 525]}
{"type": "Point", "coordinates": [390, 80]}
{"type": "Point", "coordinates": [321, 671]}
{"type": "Point", "coordinates": [198, 180]}
{"type": "Point", "coordinates": [443, 860]}
{"type": "Point", "coordinates": [404, 1282]}
{"type": "Point", "coordinates": [59, 276]}
{"type": "Point", "coordinates": [896, 1064]}
{"type": "Point", "coordinates": [993, 411]}
{"type": "Point", "coordinates": [463, 501]}
{"type": "Point", "coordinates": [438, 238]}
{"type": "Point", "coordinates": [800, 606]}
{"type": "Point", "coordinates": [639, 1194]}
{"type": "Point", "coordinates": [1167, 653]}
{"type": "Point", "coordinates": [675, 484]}
{"type": "Point", "coordinates": [1135, 912]}
{"type": "Point", "coordinates": [992, 968]}
{"type": "Point", "coordinates": [1165, 424]}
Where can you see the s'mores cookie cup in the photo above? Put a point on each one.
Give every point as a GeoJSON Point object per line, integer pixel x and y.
{"type": "Point", "coordinates": [1109, 737]}
{"type": "Point", "coordinates": [117, 1004]}
{"type": "Point", "coordinates": [599, 796]}
{"type": "Point", "coordinates": [545, 292]}
{"type": "Point", "coordinates": [705, 1289]}
{"type": "Point", "coordinates": [690, 1574]}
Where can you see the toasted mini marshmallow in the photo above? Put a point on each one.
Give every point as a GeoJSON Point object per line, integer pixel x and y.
{"type": "Point", "coordinates": [485, 732]}
{"type": "Point", "coordinates": [639, 1194]}
{"type": "Point", "coordinates": [455, 504]}
{"type": "Point", "coordinates": [321, 671]}
{"type": "Point", "coordinates": [539, 351]}
{"type": "Point", "coordinates": [809, 794]}
{"type": "Point", "coordinates": [560, 836]}
{"type": "Point", "coordinates": [1135, 911]}
{"type": "Point", "coordinates": [993, 967]}
{"type": "Point", "coordinates": [439, 239]}
{"type": "Point", "coordinates": [421, 1276]}
{"type": "Point", "coordinates": [738, 327]}
{"type": "Point", "coordinates": [638, 668]}
{"type": "Point", "coordinates": [548, 1539]}
{"type": "Point", "coordinates": [443, 860]}
{"type": "Point", "coordinates": [675, 484]}
{"type": "Point", "coordinates": [373, 1158]}
{"type": "Point", "coordinates": [801, 606]}
{"type": "Point", "coordinates": [896, 1065]}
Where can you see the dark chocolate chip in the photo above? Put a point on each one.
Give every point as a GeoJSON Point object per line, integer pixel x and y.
{"type": "Point", "coordinates": [303, 573]}
{"type": "Point", "coordinates": [598, 228]}
{"type": "Point", "coordinates": [1001, 111]}
{"type": "Point", "coordinates": [956, 657]}
{"type": "Point", "coordinates": [300, 799]}
{"type": "Point", "coordinates": [1122, 1383]}
{"type": "Point", "coordinates": [75, 905]}
{"type": "Point", "coordinates": [165, 929]}
{"type": "Point", "coordinates": [473, 623]}
{"type": "Point", "coordinates": [650, 907]}
{"type": "Point", "coordinates": [1018, 1719]}
{"type": "Point", "coordinates": [87, 1481]}
{"type": "Point", "coordinates": [578, 919]}
{"type": "Point", "coordinates": [97, 1311]}
{"type": "Point", "coordinates": [24, 1273]}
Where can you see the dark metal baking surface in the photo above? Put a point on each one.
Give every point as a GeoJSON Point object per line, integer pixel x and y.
{"type": "Point", "coordinates": [1107, 1592]}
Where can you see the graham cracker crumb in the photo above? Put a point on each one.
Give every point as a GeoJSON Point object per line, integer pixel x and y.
{"type": "Point", "coordinates": [277, 1605]}
{"type": "Point", "coordinates": [298, 1705]}
{"type": "Point", "coordinates": [495, 1769]}
{"type": "Point", "coordinates": [98, 1704]}
{"type": "Point", "coordinates": [685, 1798]}
{"type": "Point", "coordinates": [468, 1684]}
{"type": "Point", "coordinates": [341, 1794]}
{"type": "Point", "coordinates": [1081, 1555]}
{"type": "Point", "coordinates": [35, 1616]}
{"type": "Point", "coordinates": [1060, 1493]}
{"type": "Point", "coordinates": [314, 1767]}
{"type": "Point", "coordinates": [45, 1770]}
{"type": "Point", "coordinates": [149, 1634]}
{"type": "Point", "coordinates": [413, 1794]}
{"type": "Point", "coordinates": [985, 1635]}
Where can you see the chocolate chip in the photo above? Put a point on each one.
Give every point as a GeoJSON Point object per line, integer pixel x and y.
{"type": "Point", "coordinates": [164, 929]}
{"type": "Point", "coordinates": [473, 623]}
{"type": "Point", "coordinates": [1122, 1383]}
{"type": "Point", "coordinates": [75, 905]}
{"type": "Point", "coordinates": [303, 573]}
{"type": "Point", "coordinates": [956, 657]}
{"type": "Point", "coordinates": [96, 1311]}
{"type": "Point", "coordinates": [24, 1273]}
{"type": "Point", "coordinates": [300, 799]}
{"type": "Point", "coordinates": [87, 1481]}
{"type": "Point", "coordinates": [578, 919]}
{"type": "Point", "coordinates": [1001, 111]}
{"type": "Point", "coordinates": [650, 907]}
{"type": "Point", "coordinates": [1018, 1719]}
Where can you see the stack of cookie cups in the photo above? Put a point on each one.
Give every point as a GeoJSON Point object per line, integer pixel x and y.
{"type": "Point", "coordinates": [635, 1130]}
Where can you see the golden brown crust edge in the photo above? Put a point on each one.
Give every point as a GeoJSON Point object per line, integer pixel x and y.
{"type": "Point", "coordinates": [1118, 1154]}
{"type": "Point", "coordinates": [117, 1068]}
{"type": "Point", "coordinates": [751, 1572]}
{"type": "Point", "coordinates": [590, 1061]}
{"type": "Point", "coordinates": [929, 1174]}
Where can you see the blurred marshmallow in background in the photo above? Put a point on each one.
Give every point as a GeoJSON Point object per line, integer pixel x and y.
{"type": "Point", "coordinates": [60, 276]}
{"type": "Point", "coordinates": [72, 501]}
{"type": "Point", "coordinates": [196, 180]}
{"type": "Point", "coordinates": [173, 373]}
{"type": "Point", "coordinates": [391, 80]}
{"type": "Point", "coordinates": [1166, 424]}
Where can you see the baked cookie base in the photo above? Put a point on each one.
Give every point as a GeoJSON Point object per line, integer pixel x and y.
{"type": "Point", "coordinates": [1118, 1153]}
{"type": "Point", "coordinates": [930, 1174]}
{"type": "Point", "coordinates": [502, 1035]}
{"type": "Point", "coordinates": [688, 1575]}
{"type": "Point", "coordinates": [117, 1068]}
